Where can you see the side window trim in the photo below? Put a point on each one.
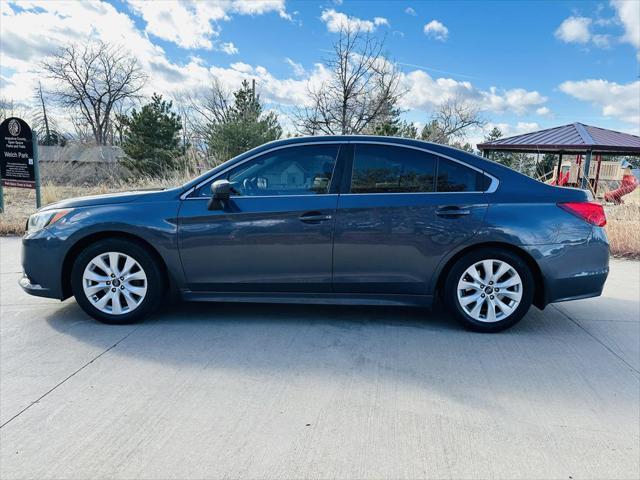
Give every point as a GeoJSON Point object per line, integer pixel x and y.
{"type": "Point", "coordinates": [192, 193]}
{"type": "Point", "coordinates": [346, 184]}
{"type": "Point", "coordinates": [346, 170]}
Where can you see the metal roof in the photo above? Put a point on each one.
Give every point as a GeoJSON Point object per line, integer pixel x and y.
{"type": "Point", "coordinates": [575, 137]}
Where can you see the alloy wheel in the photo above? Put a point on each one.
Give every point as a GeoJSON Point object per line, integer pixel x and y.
{"type": "Point", "coordinates": [489, 290]}
{"type": "Point", "coordinates": [115, 283]}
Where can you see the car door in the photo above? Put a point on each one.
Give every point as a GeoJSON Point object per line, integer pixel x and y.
{"type": "Point", "coordinates": [401, 211]}
{"type": "Point", "coordinates": [274, 234]}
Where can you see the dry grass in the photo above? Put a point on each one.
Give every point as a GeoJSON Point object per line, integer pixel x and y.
{"type": "Point", "coordinates": [623, 221]}
{"type": "Point", "coordinates": [20, 203]}
{"type": "Point", "coordinates": [623, 229]}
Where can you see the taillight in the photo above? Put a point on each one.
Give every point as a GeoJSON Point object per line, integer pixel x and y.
{"type": "Point", "coordinates": [588, 211]}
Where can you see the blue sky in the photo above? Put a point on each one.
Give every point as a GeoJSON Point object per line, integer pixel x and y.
{"type": "Point", "coordinates": [529, 64]}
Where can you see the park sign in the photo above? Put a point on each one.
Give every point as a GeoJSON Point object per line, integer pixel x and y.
{"type": "Point", "coordinates": [17, 164]}
{"type": "Point", "coordinates": [18, 158]}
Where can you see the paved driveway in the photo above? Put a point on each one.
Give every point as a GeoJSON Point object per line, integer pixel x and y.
{"type": "Point", "coordinates": [255, 391]}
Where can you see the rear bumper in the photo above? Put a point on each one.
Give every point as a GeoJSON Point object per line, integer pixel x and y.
{"type": "Point", "coordinates": [573, 271]}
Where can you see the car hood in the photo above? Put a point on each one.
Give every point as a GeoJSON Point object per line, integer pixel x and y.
{"type": "Point", "coordinates": [111, 198]}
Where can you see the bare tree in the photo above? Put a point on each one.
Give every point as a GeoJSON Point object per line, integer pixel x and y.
{"type": "Point", "coordinates": [10, 108]}
{"type": "Point", "coordinates": [202, 108]}
{"type": "Point", "coordinates": [363, 87]}
{"type": "Point", "coordinates": [43, 122]}
{"type": "Point", "coordinates": [452, 120]}
{"type": "Point", "coordinates": [209, 105]}
{"type": "Point", "coordinates": [93, 79]}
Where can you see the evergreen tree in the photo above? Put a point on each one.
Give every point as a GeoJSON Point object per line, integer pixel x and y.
{"type": "Point", "coordinates": [546, 164]}
{"type": "Point", "coordinates": [151, 137]}
{"type": "Point", "coordinates": [245, 126]}
{"type": "Point", "coordinates": [390, 124]}
{"type": "Point", "coordinates": [504, 158]}
{"type": "Point", "coordinates": [466, 146]}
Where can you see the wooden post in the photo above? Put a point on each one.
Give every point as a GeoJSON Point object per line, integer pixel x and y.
{"type": "Point", "coordinates": [585, 177]}
{"type": "Point", "coordinates": [559, 172]}
{"type": "Point", "coordinates": [36, 168]}
{"type": "Point", "coordinates": [599, 160]}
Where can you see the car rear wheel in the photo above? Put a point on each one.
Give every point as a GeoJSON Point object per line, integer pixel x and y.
{"type": "Point", "coordinates": [489, 289]}
{"type": "Point", "coordinates": [117, 281]}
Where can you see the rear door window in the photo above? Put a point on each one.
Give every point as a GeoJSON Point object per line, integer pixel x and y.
{"type": "Point", "coordinates": [391, 169]}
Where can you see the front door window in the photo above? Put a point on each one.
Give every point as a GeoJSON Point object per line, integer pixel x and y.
{"type": "Point", "coordinates": [304, 170]}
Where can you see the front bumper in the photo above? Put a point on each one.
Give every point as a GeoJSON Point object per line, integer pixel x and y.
{"type": "Point", "coordinates": [35, 289]}
{"type": "Point", "coordinates": [42, 258]}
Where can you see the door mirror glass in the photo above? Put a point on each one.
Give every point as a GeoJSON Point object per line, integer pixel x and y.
{"type": "Point", "coordinates": [221, 189]}
{"type": "Point", "coordinates": [220, 193]}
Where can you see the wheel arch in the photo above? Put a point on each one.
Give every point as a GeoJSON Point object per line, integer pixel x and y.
{"type": "Point", "coordinates": [85, 241]}
{"type": "Point", "coordinates": [539, 284]}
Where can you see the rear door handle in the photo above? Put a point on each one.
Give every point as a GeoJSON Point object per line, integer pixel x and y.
{"type": "Point", "coordinates": [452, 211]}
{"type": "Point", "coordinates": [314, 217]}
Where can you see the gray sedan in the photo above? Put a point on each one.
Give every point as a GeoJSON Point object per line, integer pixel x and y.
{"type": "Point", "coordinates": [345, 219]}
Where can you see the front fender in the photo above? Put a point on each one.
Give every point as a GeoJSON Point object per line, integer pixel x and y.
{"type": "Point", "coordinates": [153, 223]}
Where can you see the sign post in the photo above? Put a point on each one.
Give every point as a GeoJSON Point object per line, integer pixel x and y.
{"type": "Point", "coordinates": [18, 157]}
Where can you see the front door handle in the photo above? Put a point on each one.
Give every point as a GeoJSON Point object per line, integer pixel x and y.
{"type": "Point", "coordinates": [314, 217]}
{"type": "Point", "coordinates": [452, 211]}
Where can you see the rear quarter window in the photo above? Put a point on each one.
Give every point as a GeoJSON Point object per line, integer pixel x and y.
{"type": "Point", "coordinates": [455, 177]}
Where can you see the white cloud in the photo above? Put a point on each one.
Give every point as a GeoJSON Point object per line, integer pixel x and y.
{"type": "Point", "coordinates": [437, 30]}
{"type": "Point", "coordinates": [337, 21]}
{"type": "Point", "coordinates": [377, 21]}
{"type": "Point", "coordinates": [229, 48]}
{"type": "Point", "coordinates": [544, 112]}
{"type": "Point", "coordinates": [601, 40]}
{"type": "Point", "coordinates": [193, 24]}
{"type": "Point", "coordinates": [574, 30]}
{"type": "Point", "coordinates": [517, 100]}
{"type": "Point", "coordinates": [37, 29]}
{"type": "Point", "coordinates": [425, 93]}
{"type": "Point", "coordinates": [580, 30]}
{"type": "Point", "coordinates": [410, 11]}
{"type": "Point", "coordinates": [620, 101]}
{"type": "Point", "coordinates": [628, 13]}
{"type": "Point", "coordinates": [519, 128]}
{"type": "Point", "coordinates": [298, 69]}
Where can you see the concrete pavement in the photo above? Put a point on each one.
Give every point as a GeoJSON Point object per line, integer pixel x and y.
{"type": "Point", "coordinates": [273, 391]}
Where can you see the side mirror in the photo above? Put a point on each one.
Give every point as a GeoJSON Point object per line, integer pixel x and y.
{"type": "Point", "coordinates": [220, 193]}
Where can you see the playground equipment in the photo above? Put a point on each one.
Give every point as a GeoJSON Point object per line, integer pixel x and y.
{"type": "Point", "coordinates": [571, 173]}
{"type": "Point", "coordinates": [628, 185]}
{"type": "Point", "coordinates": [587, 144]}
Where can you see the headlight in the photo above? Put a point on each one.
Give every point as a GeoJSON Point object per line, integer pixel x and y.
{"type": "Point", "coordinates": [39, 220]}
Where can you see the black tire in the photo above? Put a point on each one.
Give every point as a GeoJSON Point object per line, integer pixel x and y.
{"type": "Point", "coordinates": [154, 278]}
{"type": "Point", "coordinates": [450, 295]}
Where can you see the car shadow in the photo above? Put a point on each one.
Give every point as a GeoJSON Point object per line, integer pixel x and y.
{"type": "Point", "coordinates": [276, 342]}
{"type": "Point", "coordinates": [193, 326]}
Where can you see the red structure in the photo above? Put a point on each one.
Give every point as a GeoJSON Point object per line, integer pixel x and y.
{"type": "Point", "coordinates": [629, 184]}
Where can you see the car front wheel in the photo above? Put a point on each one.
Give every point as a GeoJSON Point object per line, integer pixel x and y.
{"type": "Point", "coordinates": [117, 281]}
{"type": "Point", "coordinates": [489, 290]}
